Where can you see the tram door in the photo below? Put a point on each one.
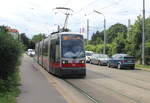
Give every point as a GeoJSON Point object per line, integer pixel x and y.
{"type": "Point", "coordinates": [54, 55]}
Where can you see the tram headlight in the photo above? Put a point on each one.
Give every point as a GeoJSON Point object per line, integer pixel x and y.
{"type": "Point", "coordinates": [64, 61]}
{"type": "Point", "coordinates": [82, 61]}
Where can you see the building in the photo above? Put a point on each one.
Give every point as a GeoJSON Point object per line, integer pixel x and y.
{"type": "Point", "coordinates": [13, 32]}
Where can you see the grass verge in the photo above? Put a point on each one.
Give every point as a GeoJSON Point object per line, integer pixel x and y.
{"type": "Point", "coordinates": [143, 66]}
{"type": "Point", "coordinates": [9, 97]}
{"type": "Point", "coordinates": [9, 89]}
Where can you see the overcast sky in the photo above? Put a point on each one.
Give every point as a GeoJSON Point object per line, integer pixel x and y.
{"type": "Point", "coordinates": [39, 16]}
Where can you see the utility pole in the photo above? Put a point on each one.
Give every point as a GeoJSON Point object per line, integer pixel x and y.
{"type": "Point", "coordinates": [104, 52]}
{"type": "Point", "coordinates": [104, 49]}
{"type": "Point", "coordinates": [129, 25]}
{"type": "Point", "coordinates": [143, 34]}
{"type": "Point", "coordinates": [87, 31]}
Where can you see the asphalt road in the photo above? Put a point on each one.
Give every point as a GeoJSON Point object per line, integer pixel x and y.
{"type": "Point", "coordinates": [107, 85]}
{"type": "Point", "coordinates": [110, 85]}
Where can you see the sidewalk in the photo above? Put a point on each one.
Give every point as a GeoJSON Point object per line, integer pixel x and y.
{"type": "Point", "coordinates": [34, 86]}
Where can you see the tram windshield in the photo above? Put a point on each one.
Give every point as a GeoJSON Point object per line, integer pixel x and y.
{"type": "Point", "coordinates": [72, 46]}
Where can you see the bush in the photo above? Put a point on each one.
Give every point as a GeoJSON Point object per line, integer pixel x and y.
{"type": "Point", "coordinates": [90, 48]}
{"type": "Point", "coordinates": [10, 52]}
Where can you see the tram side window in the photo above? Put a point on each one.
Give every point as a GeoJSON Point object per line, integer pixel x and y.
{"type": "Point", "coordinates": [57, 55]}
{"type": "Point", "coordinates": [36, 49]}
{"type": "Point", "coordinates": [54, 51]}
{"type": "Point", "coordinates": [40, 49]}
{"type": "Point", "coordinates": [45, 49]}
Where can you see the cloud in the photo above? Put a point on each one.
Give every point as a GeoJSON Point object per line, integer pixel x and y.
{"type": "Point", "coordinates": [36, 16]}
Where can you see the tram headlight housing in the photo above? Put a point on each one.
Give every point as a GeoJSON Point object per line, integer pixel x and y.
{"type": "Point", "coordinates": [64, 62]}
{"type": "Point", "coordinates": [82, 61]}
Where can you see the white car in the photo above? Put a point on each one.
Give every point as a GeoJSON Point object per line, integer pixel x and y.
{"type": "Point", "coordinates": [88, 55]}
{"type": "Point", "coordinates": [31, 52]}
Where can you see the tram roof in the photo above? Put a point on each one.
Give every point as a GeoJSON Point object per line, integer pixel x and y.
{"type": "Point", "coordinates": [71, 33]}
{"type": "Point", "coordinates": [68, 33]}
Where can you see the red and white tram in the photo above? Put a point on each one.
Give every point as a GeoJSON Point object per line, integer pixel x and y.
{"type": "Point", "coordinates": [62, 54]}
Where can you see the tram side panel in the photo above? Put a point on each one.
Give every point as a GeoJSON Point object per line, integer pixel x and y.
{"type": "Point", "coordinates": [45, 54]}
{"type": "Point", "coordinates": [55, 56]}
{"type": "Point", "coordinates": [40, 53]}
{"type": "Point", "coordinates": [36, 52]}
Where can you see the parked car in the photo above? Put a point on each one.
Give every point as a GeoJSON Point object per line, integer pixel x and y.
{"type": "Point", "coordinates": [122, 61]}
{"type": "Point", "coordinates": [99, 59]}
{"type": "Point", "coordinates": [103, 59]}
{"type": "Point", "coordinates": [94, 58]}
{"type": "Point", "coordinates": [31, 52]}
{"type": "Point", "coordinates": [88, 55]}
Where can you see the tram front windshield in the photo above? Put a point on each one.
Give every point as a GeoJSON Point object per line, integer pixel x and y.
{"type": "Point", "coordinates": [72, 46]}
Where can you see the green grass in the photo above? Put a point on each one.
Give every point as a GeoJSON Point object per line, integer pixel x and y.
{"type": "Point", "coordinates": [9, 89]}
{"type": "Point", "coordinates": [143, 66]}
{"type": "Point", "coordinates": [9, 97]}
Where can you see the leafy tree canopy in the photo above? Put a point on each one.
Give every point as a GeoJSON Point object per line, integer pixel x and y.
{"type": "Point", "coordinates": [38, 37]}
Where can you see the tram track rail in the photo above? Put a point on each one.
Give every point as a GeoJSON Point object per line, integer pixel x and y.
{"type": "Point", "coordinates": [94, 100]}
{"type": "Point", "coordinates": [127, 96]}
{"type": "Point", "coordinates": [83, 92]}
{"type": "Point", "coordinates": [131, 84]}
{"type": "Point", "coordinates": [129, 75]}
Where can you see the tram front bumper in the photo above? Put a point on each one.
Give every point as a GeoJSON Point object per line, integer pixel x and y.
{"type": "Point", "coordinates": [73, 72]}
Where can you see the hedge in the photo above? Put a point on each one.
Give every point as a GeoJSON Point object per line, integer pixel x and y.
{"type": "Point", "coordinates": [10, 52]}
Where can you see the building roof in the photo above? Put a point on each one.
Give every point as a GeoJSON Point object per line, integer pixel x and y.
{"type": "Point", "coordinates": [11, 30]}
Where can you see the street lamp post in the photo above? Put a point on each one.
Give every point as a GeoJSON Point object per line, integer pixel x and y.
{"type": "Point", "coordinates": [104, 49]}
{"type": "Point", "coordinates": [143, 34]}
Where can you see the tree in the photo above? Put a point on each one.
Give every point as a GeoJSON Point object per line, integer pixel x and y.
{"type": "Point", "coordinates": [135, 38]}
{"type": "Point", "coordinates": [38, 37]}
{"type": "Point", "coordinates": [10, 52]}
{"type": "Point", "coordinates": [24, 40]}
{"type": "Point", "coordinates": [114, 30]}
{"type": "Point", "coordinates": [97, 38]}
{"type": "Point", "coordinates": [119, 44]}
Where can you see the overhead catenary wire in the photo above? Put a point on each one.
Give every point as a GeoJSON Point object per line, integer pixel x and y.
{"type": "Point", "coordinates": [93, 2]}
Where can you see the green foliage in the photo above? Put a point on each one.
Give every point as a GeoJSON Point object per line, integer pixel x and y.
{"type": "Point", "coordinates": [114, 30]}
{"type": "Point", "coordinates": [119, 42]}
{"type": "Point", "coordinates": [10, 52]}
{"type": "Point", "coordinates": [143, 66]}
{"type": "Point", "coordinates": [38, 37]}
{"type": "Point", "coordinates": [97, 38]}
{"type": "Point", "coordinates": [147, 53]}
{"type": "Point", "coordinates": [135, 39]}
{"type": "Point", "coordinates": [25, 41]}
{"type": "Point", "coordinates": [90, 48]}
{"type": "Point", "coordinates": [147, 29]}
{"type": "Point", "coordinates": [9, 97]}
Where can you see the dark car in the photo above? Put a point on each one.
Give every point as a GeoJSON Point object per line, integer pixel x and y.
{"type": "Point", "coordinates": [122, 61]}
